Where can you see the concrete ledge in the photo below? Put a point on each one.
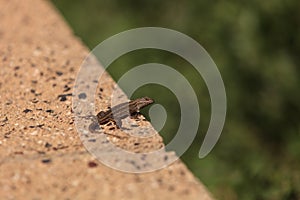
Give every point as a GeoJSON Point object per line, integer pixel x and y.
{"type": "Point", "coordinates": [41, 155]}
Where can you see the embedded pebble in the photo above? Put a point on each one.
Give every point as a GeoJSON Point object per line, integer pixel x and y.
{"type": "Point", "coordinates": [82, 96]}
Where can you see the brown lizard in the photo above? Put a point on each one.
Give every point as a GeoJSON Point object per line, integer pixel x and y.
{"type": "Point", "coordinates": [121, 111]}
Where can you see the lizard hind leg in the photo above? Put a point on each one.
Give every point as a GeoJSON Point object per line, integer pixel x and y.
{"type": "Point", "coordinates": [135, 116]}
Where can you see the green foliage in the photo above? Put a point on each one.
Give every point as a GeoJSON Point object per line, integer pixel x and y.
{"type": "Point", "coordinates": [256, 45]}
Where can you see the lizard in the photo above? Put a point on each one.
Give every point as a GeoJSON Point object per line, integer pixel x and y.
{"type": "Point", "coordinates": [121, 111]}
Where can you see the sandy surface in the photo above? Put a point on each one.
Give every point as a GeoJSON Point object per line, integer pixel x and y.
{"type": "Point", "coordinates": [41, 154]}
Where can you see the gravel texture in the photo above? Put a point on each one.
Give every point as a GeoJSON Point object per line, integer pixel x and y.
{"type": "Point", "coordinates": [41, 154]}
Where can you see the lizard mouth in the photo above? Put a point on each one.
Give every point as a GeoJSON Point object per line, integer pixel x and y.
{"type": "Point", "coordinates": [148, 99]}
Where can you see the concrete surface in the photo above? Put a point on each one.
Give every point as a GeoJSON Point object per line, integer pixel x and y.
{"type": "Point", "coordinates": [41, 155]}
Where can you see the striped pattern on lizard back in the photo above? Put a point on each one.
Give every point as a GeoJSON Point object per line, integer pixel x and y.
{"type": "Point", "coordinates": [123, 110]}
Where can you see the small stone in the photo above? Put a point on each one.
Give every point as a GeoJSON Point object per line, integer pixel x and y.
{"type": "Point", "coordinates": [63, 97]}
{"type": "Point", "coordinates": [34, 100]}
{"type": "Point", "coordinates": [58, 73]}
{"type": "Point", "coordinates": [166, 157]}
{"type": "Point", "coordinates": [34, 133]}
{"type": "Point", "coordinates": [37, 52]}
{"type": "Point", "coordinates": [50, 111]}
{"type": "Point", "coordinates": [27, 110]}
{"type": "Point", "coordinates": [66, 88]}
{"type": "Point", "coordinates": [46, 160]}
{"type": "Point", "coordinates": [7, 135]}
{"type": "Point", "coordinates": [92, 164]}
{"type": "Point", "coordinates": [75, 183]}
{"type": "Point", "coordinates": [82, 96]}
{"type": "Point", "coordinates": [9, 102]}
{"type": "Point", "coordinates": [39, 125]}
{"type": "Point", "coordinates": [48, 145]}
{"type": "Point", "coordinates": [5, 119]}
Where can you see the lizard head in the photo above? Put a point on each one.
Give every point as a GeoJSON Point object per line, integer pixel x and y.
{"type": "Point", "coordinates": [144, 101]}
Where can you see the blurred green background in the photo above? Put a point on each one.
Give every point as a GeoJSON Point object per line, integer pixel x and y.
{"type": "Point", "coordinates": [256, 46]}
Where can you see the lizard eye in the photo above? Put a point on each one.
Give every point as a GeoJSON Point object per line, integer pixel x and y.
{"type": "Point", "coordinates": [148, 99]}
